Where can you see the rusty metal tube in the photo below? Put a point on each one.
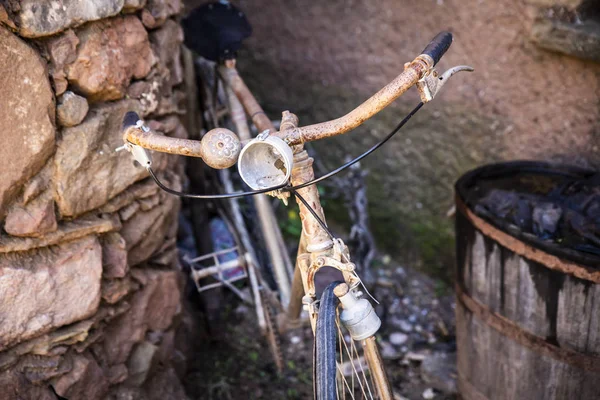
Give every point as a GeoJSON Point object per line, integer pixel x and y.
{"type": "Point", "coordinates": [253, 109]}
{"type": "Point", "coordinates": [317, 239]}
{"type": "Point", "coordinates": [152, 141]}
{"type": "Point", "coordinates": [295, 306]}
{"type": "Point", "coordinates": [413, 71]}
{"type": "Point", "coordinates": [377, 369]}
{"type": "Point", "coordinates": [219, 148]}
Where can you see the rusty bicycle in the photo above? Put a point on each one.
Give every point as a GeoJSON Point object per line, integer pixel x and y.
{"type": "Point", "coordinates": [275, 162]}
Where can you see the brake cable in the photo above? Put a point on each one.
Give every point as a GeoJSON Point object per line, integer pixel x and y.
{"type": "Point", "coordinates": [285, 186]}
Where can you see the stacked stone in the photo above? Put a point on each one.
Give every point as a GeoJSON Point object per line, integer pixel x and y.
{"type": "Point", "coordinates": [89, 287]}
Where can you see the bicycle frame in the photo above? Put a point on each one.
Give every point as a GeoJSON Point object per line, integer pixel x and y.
{"type": "Point", "coordinates": [316, 248]}
{"type": "Point", "coordinates": [315, 245]}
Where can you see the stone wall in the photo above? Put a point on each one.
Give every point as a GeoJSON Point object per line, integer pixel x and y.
{"type": "Point", "coordinates": [89, 286]}
{"type": "Point", "coordinates": [532, 96]}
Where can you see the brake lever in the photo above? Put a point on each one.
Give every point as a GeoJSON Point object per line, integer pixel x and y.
{"type": "Point", "coordinates": [432, 83]}
{"type": "Point", "coordinates": [140, 154]}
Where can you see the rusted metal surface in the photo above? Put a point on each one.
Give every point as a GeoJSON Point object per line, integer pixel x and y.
{"type": "Point", "coordinates": [538, 344]}
{"type": "Point", "coordinates": [413, 71]}
{"type": "Point", "coordinates": [236, 110]}
{"type": "Point", "coordinates": [525, 250]}
{"type": "Point", "coordinates": [253, 109]}
{"type": "Point", "coordinates": [219, 148]}
{"type": "Point", "coordinates": [295, 305]}
{"type": "Point", "coordinates": [165, 144]}
{"type": "Point", "coordinates": [377, 369]}
{"type": "Point", "coordinates": [317, 238]}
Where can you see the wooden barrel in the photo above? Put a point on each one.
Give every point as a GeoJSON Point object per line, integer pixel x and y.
{"type": "Point", "coordinates": [527, 313]}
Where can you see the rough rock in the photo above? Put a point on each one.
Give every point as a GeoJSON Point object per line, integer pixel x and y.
{"type": "Point", "coordinates": [34, 219]}
{"type": "Point", "coordinates": [148, 20]}
{"type": "Point", "coordinates": [71, 109]}
{"type": "Point", "coordinates": [5, 19]}
{"type": "Point", "coordinates": [545, 218]}
{"type": "Point", "coordinates": [428, 394]}
{"type": "Point", "coordinates": [147, 92]}
{"type": "Point", "coordinates": [146, 231]}
{"type": "Point", "coordinates": [85, 381]}
{"type": "Point", "coordinates": [61, 50]}
{"type": "Point", "coordinates": [128, 211]}
{"type": "Point", "coordinates": [117, 373]}
{"type": "Point", "coordinates": [155, 94]}
{"type": "Point", "coordinates": [133, 5]}
{"type": "Point", "coordinates": [52, 287]}
{"type": "Point", "coordinates": [157, 12]}
{"type": "Point", "coordinates": [389, 352]}
{"type": "Point", "coordinates": [173, 104]}
{"type": "Point", "coordinates": [49, 344]}
{"type": "Point", "coordinates": [26, 112]}
{"type": "Point", "coordinates": [142, 359]}
{"type": "Point", "coordinates": [114, 256]}
{"type": "Point", "coordinates": [580, 40]}
{"type": "Point", "coordinates": [14, 385]}
{"type": "Point", "coordinates": [439, 371]}
{"type": "Point", "coordinates": [67, 230]}
{"type": "Point", "coordinates": [398, 338]}
{"type": "Point", "coordinates": [38, 184]}
{"type": "Point", "coordinates": [115, 289]}
{"type": "Point", "coordinates": [149, 203]}
{"type": "Point", "coordinates": [165, 384]}
{"type": "Point", "coordinates": [152, 308]}
{"type": "Point", "coordinates": [36, 19]}
{"type": "Point", "coordinates": [166, 350]}
{"type": "Point", "coordinates": [121, 43]}
{"type": "Point", "coordinates": [86, 158]}
{"type": "Point", "coordinates": [139, 190]}
{"type": "Point", "coordinates": [402, 324]}
{"type": "Point", "coordinates": [38, 369]}
{"type": "Point", "coordinates": [570, 4]}
{"type": "Point", "coordinates": [166, 44]}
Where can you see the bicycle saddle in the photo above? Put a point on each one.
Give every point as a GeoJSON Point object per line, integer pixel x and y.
{"type": "Point", "coordinates": [216, 30]}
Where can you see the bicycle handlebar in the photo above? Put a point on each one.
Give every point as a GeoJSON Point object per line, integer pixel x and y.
{"type": "Point", "coordinates": [221, 150]}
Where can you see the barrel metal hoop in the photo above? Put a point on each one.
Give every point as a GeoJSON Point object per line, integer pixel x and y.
{"type": "Point", "coordinates": [527, 339]}
{"type": "Point", "coordinates": [524, 250]}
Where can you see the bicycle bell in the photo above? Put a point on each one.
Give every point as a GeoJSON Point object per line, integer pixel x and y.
{"type": "Point", "coordinates": [265, 161]}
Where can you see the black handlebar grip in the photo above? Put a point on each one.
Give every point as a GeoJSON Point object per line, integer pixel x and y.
{"type": "Point", "coordinates": [438, 46]}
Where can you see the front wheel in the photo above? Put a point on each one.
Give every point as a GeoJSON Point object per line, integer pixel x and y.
{"type": "Point", "coordinates": [341, 367]}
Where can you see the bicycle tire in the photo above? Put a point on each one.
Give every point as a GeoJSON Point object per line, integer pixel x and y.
{"type": "Point", "coordinates": [325, 346]}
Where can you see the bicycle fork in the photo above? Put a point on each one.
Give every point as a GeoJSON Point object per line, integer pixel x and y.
{"type": "Point", "coordinates": [318, 249]}
{"type": "Point", "coordinates": [357, 315]}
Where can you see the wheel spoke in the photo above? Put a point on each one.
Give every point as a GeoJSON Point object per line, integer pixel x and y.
{"type": "Point", "coordinates": [354, 358]}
